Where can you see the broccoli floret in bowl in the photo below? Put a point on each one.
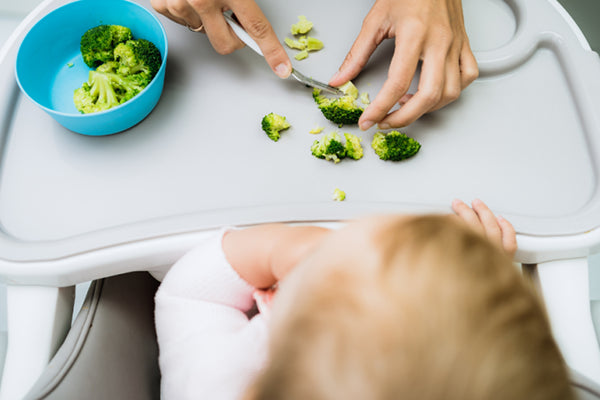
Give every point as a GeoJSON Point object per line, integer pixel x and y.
{"type": "Point", "coordinates": [97, 44]}
{"type": "Point", "coordinates": [56, 39]}
{"type": "Point", "coordinates": [341, 110]}
{"type": "Point", "coordinates": [137, 57]}
{"type": "Point", "coordinates": [394, 146]}
{"type": "Point", "coordinates": [134, 65]}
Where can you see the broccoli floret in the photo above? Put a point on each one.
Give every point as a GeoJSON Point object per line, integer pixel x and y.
{"type": "Point", "coordinates": [97, 44]}
{"type": "Point", "coordinates": [349, 89]}
{"type": "Point", "coordinates": [294, 44]}
{"type": "Point", "coordinates": [311, 43]}
{"type": "Point", "coordinates": [364, 98]}
{"type": "Point", "coordinates": [330, 147]}
{"type": "Point", "coordinates": [105, 90]}
{"type": "Point", "coordinates": [341, 110]}
{"type": "Point", "coordinates": [394, 146]}
{"type": "Point", "coordinates": [138, 56]}
{"type": "Point", "coordinates": [301, 55]}
{"type": "Point", "coordinates": [339, 195]}
{"type": "Point", "coordinates": [353, 148]}
{"type": "Point", "coordinates": [124, 67]}
{"type": "Point", "coordinates": [273, 124]}
{"type": "Point", "coordinates": [302, 26]}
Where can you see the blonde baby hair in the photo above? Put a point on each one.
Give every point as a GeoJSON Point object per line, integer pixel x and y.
{"type": "Point", "coordinates": [441, 313]}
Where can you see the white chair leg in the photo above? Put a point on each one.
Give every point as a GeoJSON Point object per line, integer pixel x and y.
{"type": "Point", "coordinates": [38, 320]}
{"type": "Point", "coordinates": [565, 287]}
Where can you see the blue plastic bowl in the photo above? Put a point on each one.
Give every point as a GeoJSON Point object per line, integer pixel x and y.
{"type": "Point", "coordinates": [49, 65]}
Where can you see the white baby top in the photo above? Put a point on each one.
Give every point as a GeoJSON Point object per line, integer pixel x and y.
{"type": "Point", "coordinates": [208, 347]}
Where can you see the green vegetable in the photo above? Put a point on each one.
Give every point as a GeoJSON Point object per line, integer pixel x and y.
{"type": "Point", "coordinates": [353, 148]}
{"type": "Point", "coordinates": [349, 89]}
{"type": "Point", "coordinates": [301, 55]}
{"type": "Point", "coordinates": [138, 56]}
{"type": "Point", "coordinates": [394, 146]}
{"type": "Point", "coordinates": [273, 124]}
{"type": "Point", "coordinates": [341, 110]}
{"type": "Point", "coordinates": [105, 90]}
{"type": "Point", "coordinates": [312, 44]}
{"type": "Point", "coordinates": [364, 98]}
{"type": "Point", "coordinates": [122, 71]}
{"type": "Point", "coordinates": [97, 44]}
{"type": "Point", "coordinates": [302, 26]}
{"type": "Point", "coordinates": [294, 44]}
{"type": "Point", "coordinates": [331, 148]}
{"type": "Point", "coordinates": [339, 195]}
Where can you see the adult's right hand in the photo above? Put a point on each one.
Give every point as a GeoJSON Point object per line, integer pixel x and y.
{"type": "Point", "coordinates": [207, 16]}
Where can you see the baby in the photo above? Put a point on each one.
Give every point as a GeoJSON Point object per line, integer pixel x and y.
{"type": "Point", "coordinates": [387, 307]}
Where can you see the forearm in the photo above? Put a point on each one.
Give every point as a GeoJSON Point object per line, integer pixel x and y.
{"type": "Point", "coordinates": [264, 254]}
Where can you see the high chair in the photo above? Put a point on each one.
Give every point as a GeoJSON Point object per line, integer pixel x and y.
{"type": "Point", "coordinates": [524, 137]}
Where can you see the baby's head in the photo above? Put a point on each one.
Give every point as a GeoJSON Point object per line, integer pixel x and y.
{"type": "Point", "coordinates": [410, 308]}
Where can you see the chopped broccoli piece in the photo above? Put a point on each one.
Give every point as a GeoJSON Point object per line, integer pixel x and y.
{"type": "Point", "coordinates": [316, 129]}
{"type": "Point", "coordinates": [302, 26]}
{"type": "Point", "coordinates": [105, 90]}
{"type": "Point", "coordinates": [70, 64]}
{"type": "Point", "coordinates": [341, 110]}
{"type": "Point", "coordinates": [353, 148]}
{"type": "Point", "coordinates": [312, 44]}
{"type": "Point", "coordinates": [294, 44]}
{"type": "Point", "coordinates": [364, 98]}
{"type": "Point", "coordinates": [273, 124]}
{"type": "Point", "coordinates": [97, 44]}
{"type": "Point", "coordinates": [394, 146]}
{"type": "Point", "coordinates": [137, 56]}
{"type": "Point", "coordinates": [349, 89]}
{"type": "Point", "coordinates": [330, 148]}
{"type": "Point", "coordinates": [301, 55]}
{"type": "Point", "coordinates": [339, 195]}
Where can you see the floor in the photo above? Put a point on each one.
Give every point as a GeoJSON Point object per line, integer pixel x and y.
{"type": "Point", "coordinates": [584, 12]}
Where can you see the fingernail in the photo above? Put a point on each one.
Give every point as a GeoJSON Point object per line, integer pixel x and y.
{"type": "Point", "coordinates": [366, 125]}
{"type": "Point", "coordinates": [384, 125]}
{"type": "Point", "coordinates": [283, 70]}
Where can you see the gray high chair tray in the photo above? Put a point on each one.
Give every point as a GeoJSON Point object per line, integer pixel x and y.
{"type": "Point", "coordinates": [524, 137]}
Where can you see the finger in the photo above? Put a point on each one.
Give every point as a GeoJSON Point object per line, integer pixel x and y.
{"type": "Point", "coordinates": [221, 36]}
{"type": "Point", "coordinates": [404, 99]}
{"type": "Point", "coordinates": [429, 93]}
{"type": "Point", "coordinates": [258, 27]}
{"type": "Point", "coordinates": [365, 44]}
{"type": "Point", "coordinates": [509, 236]}
{"type": "Point", "coordinates": [467, 214]}
{"type": "Point", "coordinates": [452, 83]}
{"type": "Point", "coordinates": [402, 69]}
{"type": "Point", "coordinates": [182, 12]}
{"type": "Point", "coordinates": [488, 221]}
{"type": "Point", "coordinates": [469, 71]}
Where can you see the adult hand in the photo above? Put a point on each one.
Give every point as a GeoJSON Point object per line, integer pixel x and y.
{"type": "Point", "coordinates": [207, 16]}
{"type": "Point", "coordinates": [480, 218]}
{"type": "Point", "coordinates": [429, 30]}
